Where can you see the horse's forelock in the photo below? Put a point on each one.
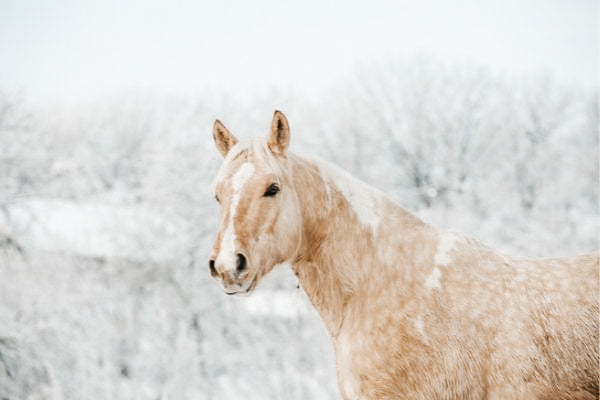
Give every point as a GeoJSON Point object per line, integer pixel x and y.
{"type": "Point", "coordinates": [264, 155]}
{"type": "Point", "coordinates": [256, 148]}
{"type": "Point", "coordinates": [224, 170]}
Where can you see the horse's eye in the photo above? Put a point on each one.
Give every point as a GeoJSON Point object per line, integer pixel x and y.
{"type": "Point", "coordinates": [217, 199]}
{"type": "Point", "coordinates": [272, 190]}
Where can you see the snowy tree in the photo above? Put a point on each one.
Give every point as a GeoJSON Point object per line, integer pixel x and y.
{"type": "Point", "coordinates": [110, 202]}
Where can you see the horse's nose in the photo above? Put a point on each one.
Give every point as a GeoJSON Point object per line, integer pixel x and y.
{"type": "Point", "coordinates": [228, 268]}
{"type": "Point", "coordinates": [240, 263]}
{"type": "Point", "coordinates": [213, 270]}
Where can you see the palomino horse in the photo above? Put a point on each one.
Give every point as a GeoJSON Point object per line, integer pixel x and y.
{"type": "Point", "coordinates": [413, 312]}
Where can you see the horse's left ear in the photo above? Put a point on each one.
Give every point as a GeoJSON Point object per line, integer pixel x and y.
{"type": "Point", "coordinates": [279, 138]}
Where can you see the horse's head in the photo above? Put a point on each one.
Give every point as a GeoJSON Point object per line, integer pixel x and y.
{"type": "Point", "coordinates": [260, 214]}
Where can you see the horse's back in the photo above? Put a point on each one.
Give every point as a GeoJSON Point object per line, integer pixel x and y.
{"type": "Point", "coordinates": [567, 364]}
{"type": "Point", "coordinates": [563, 326]}
{"type": "Point", "coordinates": [535, 321]}
{"type": "Point", "coordinates": [491, 327]}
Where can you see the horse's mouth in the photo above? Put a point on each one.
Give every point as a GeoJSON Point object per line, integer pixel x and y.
{"type": "Point", "coordinates": [249, 289]}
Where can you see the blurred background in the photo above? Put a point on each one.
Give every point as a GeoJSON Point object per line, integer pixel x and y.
{"type": "Point", "coordinates": [481, 117]}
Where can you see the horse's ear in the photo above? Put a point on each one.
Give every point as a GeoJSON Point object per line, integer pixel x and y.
{"type": "Point", "coordinates": [223, 138]}
{"type": "Point", "coordinates": [279, 138]}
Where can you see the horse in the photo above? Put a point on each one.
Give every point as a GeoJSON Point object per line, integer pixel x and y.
{"type": "Point", "coordinates": [413, 312]}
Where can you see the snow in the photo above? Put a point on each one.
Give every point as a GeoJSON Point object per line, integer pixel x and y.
{"type": "Point", "coordinates": [107, 218]}
{"type": "Point", "coordinates": [94, 229]}
{"type": "Point", "coordinates": [276, 303]}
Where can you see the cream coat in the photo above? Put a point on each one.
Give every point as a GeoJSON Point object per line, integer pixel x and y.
{"type": "Point", "coordinates": [413, 312]}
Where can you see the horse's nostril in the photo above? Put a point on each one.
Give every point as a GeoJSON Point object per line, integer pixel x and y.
{"type": "Point", "coordinates": [241, 263]}
{"type": "Point", "coordinates": [213, 270]}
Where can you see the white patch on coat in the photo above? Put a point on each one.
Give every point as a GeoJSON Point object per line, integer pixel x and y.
{"type": "Point", "coordinates": [329, 195]}
{"type": "Point", "coordinates": [441, 259]}
{"type": "Point", "coordinates": [420, 327]}
{"type": "Point", "coordinates": [445, 245]}
{"type": "Point", "coordinates": [227, 252]}
{"type": "Point", "coordinates": [433, 280]}
{"type": "Point", "coordinates": [363, 199]}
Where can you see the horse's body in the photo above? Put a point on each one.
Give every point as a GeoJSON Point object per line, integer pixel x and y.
{"type": "Point", "coordinates": [414, 313]}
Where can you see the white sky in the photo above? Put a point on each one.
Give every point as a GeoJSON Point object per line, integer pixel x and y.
{"type": "Point", "coordinates": [68, 49]}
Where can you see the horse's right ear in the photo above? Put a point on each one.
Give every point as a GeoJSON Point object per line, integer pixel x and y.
{"type": "Point", "coordinates": [223, 138]}
{"type": "Point", "coordinates": [279, 138]}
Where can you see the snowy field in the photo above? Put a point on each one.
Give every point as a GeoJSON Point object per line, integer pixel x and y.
{"type": "Point", "coordinates": [106, 220]}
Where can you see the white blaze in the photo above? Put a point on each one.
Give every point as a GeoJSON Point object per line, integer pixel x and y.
{"type": "Point", "coordinates": [238, 181]}
{"type": "Point", "coordinates": [242, 176]}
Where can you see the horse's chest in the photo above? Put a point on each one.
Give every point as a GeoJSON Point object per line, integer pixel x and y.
{"type": "Point", "coordinates": [382, 357]}
{"type": "Point", "coordinates": [347, 355]}
{"type": "Point", "coordinates": [359, 363]}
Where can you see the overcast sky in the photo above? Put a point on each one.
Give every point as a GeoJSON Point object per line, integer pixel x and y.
{"type": "Point", "coordinates": [75, 48]}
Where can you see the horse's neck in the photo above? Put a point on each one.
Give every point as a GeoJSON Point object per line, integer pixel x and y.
{"type": "Point", "coordinates": [346, 225]}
